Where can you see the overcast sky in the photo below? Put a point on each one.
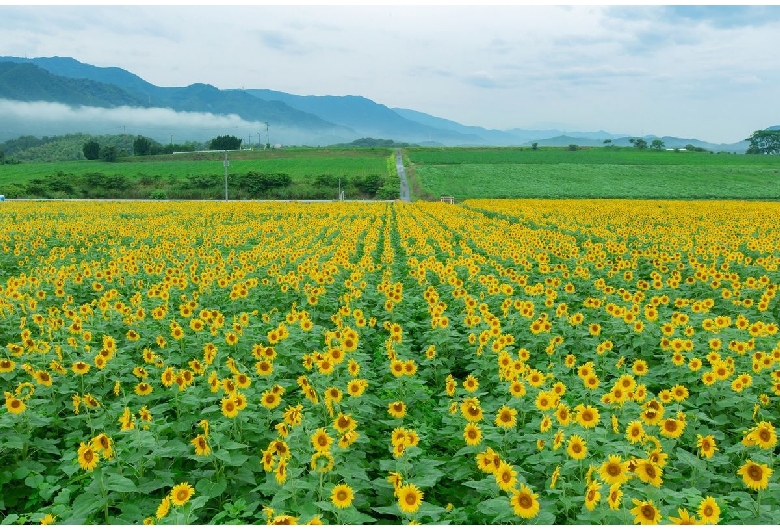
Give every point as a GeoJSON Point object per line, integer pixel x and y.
{"type": "Point", "coordinates": [706, 72]}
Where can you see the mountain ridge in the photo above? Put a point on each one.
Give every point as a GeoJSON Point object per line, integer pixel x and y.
{"type": "Point", "coordinates": [323, 118]}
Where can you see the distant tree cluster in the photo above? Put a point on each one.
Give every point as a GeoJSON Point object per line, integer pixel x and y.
{"type": "Point", "coordinates": [143, 146]}
{"type": "Point", "coordinates": [225, 143]}
{"type": "Point", "coordinates": [764, 142]}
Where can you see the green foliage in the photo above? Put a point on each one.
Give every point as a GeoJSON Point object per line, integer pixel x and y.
{"type": "Point", "coordinates": [158, 195]}
{"type": "Point", "coordinates": [142, 146]}
{"type": "Point", "coordinates": [639, 143]}
{"type": "Point", "coordinates": [764, 142]}
{"type": "Point", "coordinates": [109, 182]}
{"type": "Point", "coordinates": [91, 150]}
{"type": "Point", "coordinates": [257, 184]}
{"type": "Point", "coordinates": [373, 142]}
{"type": "Point", "coordinates": [109, 153]}
{"type": "Point", "coordinates": [226, 142]}
{"type": "Point", "coordinates": [535, 146]}
{"type": "Point", "coordinates": [572, 147]}
{"type": "Point", "coordinates": [369, 184]}
{"type": "Point", "coordinates": [657, 144]}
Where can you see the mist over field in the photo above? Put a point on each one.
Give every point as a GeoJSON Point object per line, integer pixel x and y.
{"type": "Point", "coordinates": [50, 119]}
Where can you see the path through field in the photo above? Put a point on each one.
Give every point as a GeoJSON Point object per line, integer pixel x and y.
{"type": "Point", "coordinates": [399, 165]}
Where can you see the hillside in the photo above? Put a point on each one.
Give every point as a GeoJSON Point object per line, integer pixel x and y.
{"type": "Point", "coordinates": [27, 82]}
{"type": "Point", "coordinates": [295, 119]}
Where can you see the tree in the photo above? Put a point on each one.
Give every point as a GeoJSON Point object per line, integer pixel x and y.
{"type": "Point", "coordinates": [764, 142]}
{"type": "Point", "coordinates": [142, 146]}
{"type": "Point", "coordinates": [572, 147]}
{"type": "Point", "coordinates": [225, 143]}
{"type": "Point", "coordinates": [91, 150]}
{"type": "Point", "coordinates": [535, 146]}
{"type": "Point", "coordinates": [608, 142]}
{"type": "Point", "coordinates": [657, 144]}
{"type": "Point", "coordinates": [109, 153]}
{"type": "Point", "coordinates": [639, 143]}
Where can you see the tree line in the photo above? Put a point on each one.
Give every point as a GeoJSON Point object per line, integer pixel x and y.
{"type": "Point", "coordinates": [144, 146]}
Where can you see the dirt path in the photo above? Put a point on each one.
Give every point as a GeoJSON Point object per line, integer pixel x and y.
{"type": "Point", "coordinates": [399, 166]}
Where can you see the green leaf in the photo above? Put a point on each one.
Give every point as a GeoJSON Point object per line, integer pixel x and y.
{"type": "Point", "coordinates": [11, 519]}
{"type": "Point", "coordinates": [120, 484]}
{"type": "Point", "coordinates": [209, 488]}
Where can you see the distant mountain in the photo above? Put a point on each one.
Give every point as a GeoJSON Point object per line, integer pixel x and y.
{"type": "Point", "coordinates": [310, 120]}
{"type": "Point", "coordinates": [34, 80]}
{"type": "Point", "coordinates": [370, 118]}
{"type": "Point", "coordinates": [27, 82]}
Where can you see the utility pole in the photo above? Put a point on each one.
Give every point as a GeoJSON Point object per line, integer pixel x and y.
{"type": "Point", "coordinates": [226, 163]}
{"type": "Point", "coordinates": [249, 143]}
{"type": "Point", "coordinates": [267, 141]}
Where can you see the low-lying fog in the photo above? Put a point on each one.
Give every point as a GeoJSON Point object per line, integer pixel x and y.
{"type": "Point", "coordinates": [18, 118]}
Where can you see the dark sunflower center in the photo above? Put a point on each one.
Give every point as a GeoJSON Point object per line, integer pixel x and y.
{"type": "Point", "coordinates": [755, 473]}
{"type": "Point", "coordinates": [524, 500]}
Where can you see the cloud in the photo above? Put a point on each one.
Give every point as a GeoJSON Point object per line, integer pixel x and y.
{"type": "Point", "coordinates": [279, 41]}
{"type": "Point", "coordinates": [19, 118]}
{"type": "Point", "coordinates": [723, 16]}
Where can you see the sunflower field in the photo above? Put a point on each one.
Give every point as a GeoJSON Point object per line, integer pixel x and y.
{"type": "Point", "coordinates": [492, 362]}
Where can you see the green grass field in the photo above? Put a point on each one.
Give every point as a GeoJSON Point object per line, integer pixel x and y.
{"type": "Point", "coordinates": [592, 173]}
{"type": "Point", "coordinates": [298, 163]}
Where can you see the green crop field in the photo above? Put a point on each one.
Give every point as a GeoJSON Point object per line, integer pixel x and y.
{"type": "Point", "coordinates": [200, 175]}
{"type": "Point", "coordinates": [298, 163]}
{"type": "Point", "coordinates": [591, 173]}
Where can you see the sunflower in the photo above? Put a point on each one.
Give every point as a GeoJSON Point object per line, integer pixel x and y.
{"type": "Point", "coordinates": [356, 387]}
{"type": "Point", "coordinates": [397, 409]}
{"type": "Point", "coordinates": [470, 383]}
{"type": "Point", "coordinates": [471, 410]}
{"type": "Point", "coordinates": [344, 422]}
{"type": "Point", "coordinates": [672, 428]}
{"type": "Point", "coordinates": [709, 511]}
{"type": "Point", "coordinates": [163, 508]}
{"type": "Point", "coordinates": [588, 417]}
{"type": "Point", "coordinates": [270, 399]}
{"type": "Point", "coordinates": [342, 495]}
{"type": "Point", "coordinates": [762, 435]}
{"type": "Point", "coordinates": [264, 367]}
{"type": "Point", "coordinates": [229, 409]}
{"type": "Point", "coordinates": [201, 445]}
{"type": "Point", "coordinates": [706, 444]}
{"type": "Point", "coordinates": [615, 496]}
{"type": "Point", "coordinates": [102, 443]}
{"type": "Point", "coordinates": [645, 512]}
{"type": "Point", "coordinates": [524, 502]}
{"type": "Point", "coordinates": [87, 457]}
{"type": "Point", "coordinates": [42, 377]}
{"type": "Point", "coordinates": [143, 388]}
{"type": "Point", "coordinates": [649, 472]}
{"type": "Point", "coordinates": [181, 493]}
{"type": "Point", "coordinates": [321, 441]}
{"type": "Point", "coordinates": [592, 495]}
{"type": "Point", "coordinates": [409, 498]}
{"type": "Point", "coordinates": [684, 518]}
{"type": "Point", "coordinates": [755, 475]}
{"type": "Point", "coordinates": [14, 404]}
{"type": "Point", "coordinates": [562, 414]}
{"type": "Point", "coordinates": [6, 365]}
{"type": "Point", "coordinates": [635, 432]}
{"type": "Point", "coordinates": [614, 470]}
{"type": "Point", "coordinates": [488, 460]}
{"type": "Point", "coordinates": [80, 367]}
{"type": "Point", "coordinates": [576, 447]}
{"type": "Point", "coordinates": [517, 389]}
{"type": "Point", "coordinates": [49, 518]}
{"type": "Point", "coordinates": [506, 417]}
{"type": "Point", "coordinates": [506, 476]}
{"type": "Point", "coordinates": [472, 434]}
